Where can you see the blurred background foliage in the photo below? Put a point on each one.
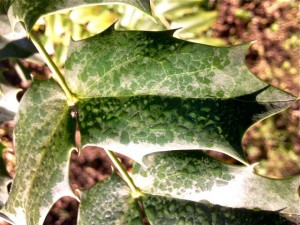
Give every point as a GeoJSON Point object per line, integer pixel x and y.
{"type": "Point", "coordinates": [195, 17]}
{"type": "Point", "coordinates": [274, 57]}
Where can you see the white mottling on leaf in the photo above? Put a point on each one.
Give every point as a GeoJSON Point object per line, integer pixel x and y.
{"type": "Point", "coordinates": [63, 188]}
{"type": "Point", "coordinates": [137, 151]}
{"type": "Point", "coordinates": [222, 82]}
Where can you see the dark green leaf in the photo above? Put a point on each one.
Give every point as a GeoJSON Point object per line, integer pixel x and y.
{"type": "Point", "coordinates": [101, 205]}
{"type": "Point", "coordinates": [108, 203]}
{"type": "Point", "coordinates": [168, 211]}
{"type": "Point", "coordinates": [197, 177]}
{"type": "Point", "coordinates": [44, 137]}
{"type": "Point", "coordinates": [21, 48]}
{"type": "Point", "coordinates": [143, 92]}
{"type": "Point", "coordinates": [29, 11]}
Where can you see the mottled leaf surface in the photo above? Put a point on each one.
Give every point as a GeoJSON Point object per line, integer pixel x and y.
{"type": "Point", "coordinates": [169, 211]}
{"type": "Point", "coordinates": [197, 177]}
{"type": "Point", "coordinates": [142, 92]}
{"type": "Point", "coordinates": [108, 203]}
{"type": "Point", "coordinates": [129, 63]}
{"type": "Point", "coordinates": [101, 205]}
{"type": "Point", "coordinates": [29, 11]}
{"type": "Point", "coordinates": [44, 137]}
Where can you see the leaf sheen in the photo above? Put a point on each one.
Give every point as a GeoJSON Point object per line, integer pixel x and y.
{"type": "Point", "coordinates": [166, 211]}
{"type": "Point", "coordinates": [197, 177]}
{"type": "Point", "coordinates": [143, 92]}
{"type": "Point", "coordinates": [99, 205]}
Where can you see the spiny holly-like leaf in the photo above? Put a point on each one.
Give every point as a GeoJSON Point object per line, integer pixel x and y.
{"type": "Point", "coordinates": [101, 205]}
{"type": "Point", "coordinates": [165, 210]}
{"type": "Point", "coordinates": [29, 11]}
{"type": "Point", "coordinates": [197, 177]}
{"type": "Point", "coordinates": [107, 203]}
{"type": "Point", "coordinates": [44, 137]}
{"type": "Point", "coordinates": [142, 92]}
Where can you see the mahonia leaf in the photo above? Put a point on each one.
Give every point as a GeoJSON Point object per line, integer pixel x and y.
{"type": "Point", "coordinates": [101, 205]}
{"type": "Point", "coordinates": [164, 210]}
{"type": "Point", "coordinates": [143, 92]}
{"type": "Point", "coordinates": [197, 177]}
{"type": "Point", "coordinates": [44, 137]}
{"type": "Point", "coordinates": [29, 11]}
{"type": "Point", "coordinates": [108, 202]}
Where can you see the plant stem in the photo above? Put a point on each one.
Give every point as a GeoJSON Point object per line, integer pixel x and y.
{"type": "Point", "coordinates": [56, 74]}
{"type": "Point", "coordinates": [135, 192]}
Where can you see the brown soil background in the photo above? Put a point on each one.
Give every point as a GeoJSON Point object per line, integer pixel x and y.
{"type": "Point", "coordinates": [272, 58]}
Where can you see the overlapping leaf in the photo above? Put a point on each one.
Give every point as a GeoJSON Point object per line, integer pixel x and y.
{"type": "Point", "coordinates": [44, 137]}
{"type": "Point", "coordinates": [100, 205]}
{"type": "Point", "coordinates": [108, 203]}
{"type": "Point", "coordinates": [29, 11]}
{"type": "Point", "coordinates": [143, 92]}
{"type": "Point", "coordinates": [166, 210]}
{"type": "Point", "coordinates": [197, 177]}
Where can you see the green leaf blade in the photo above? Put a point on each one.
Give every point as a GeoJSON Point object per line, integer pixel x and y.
{"type": "Point", "coordinates": [164, 210]}
{"type": "Point", "coordinates": [143, 92]}
{"type": "Point", "coordinates": [108, 202]}
{"type": "Point", "coordinates": [42, 154]}
{"type": "Point", "coordinates": [119, 63]}
{"type": "Point", "coordinates": [99, 205]}
{"type": "Point", "coordinates": [197, 177]}
{"type": "Point", "coordinates": [139, 124]}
